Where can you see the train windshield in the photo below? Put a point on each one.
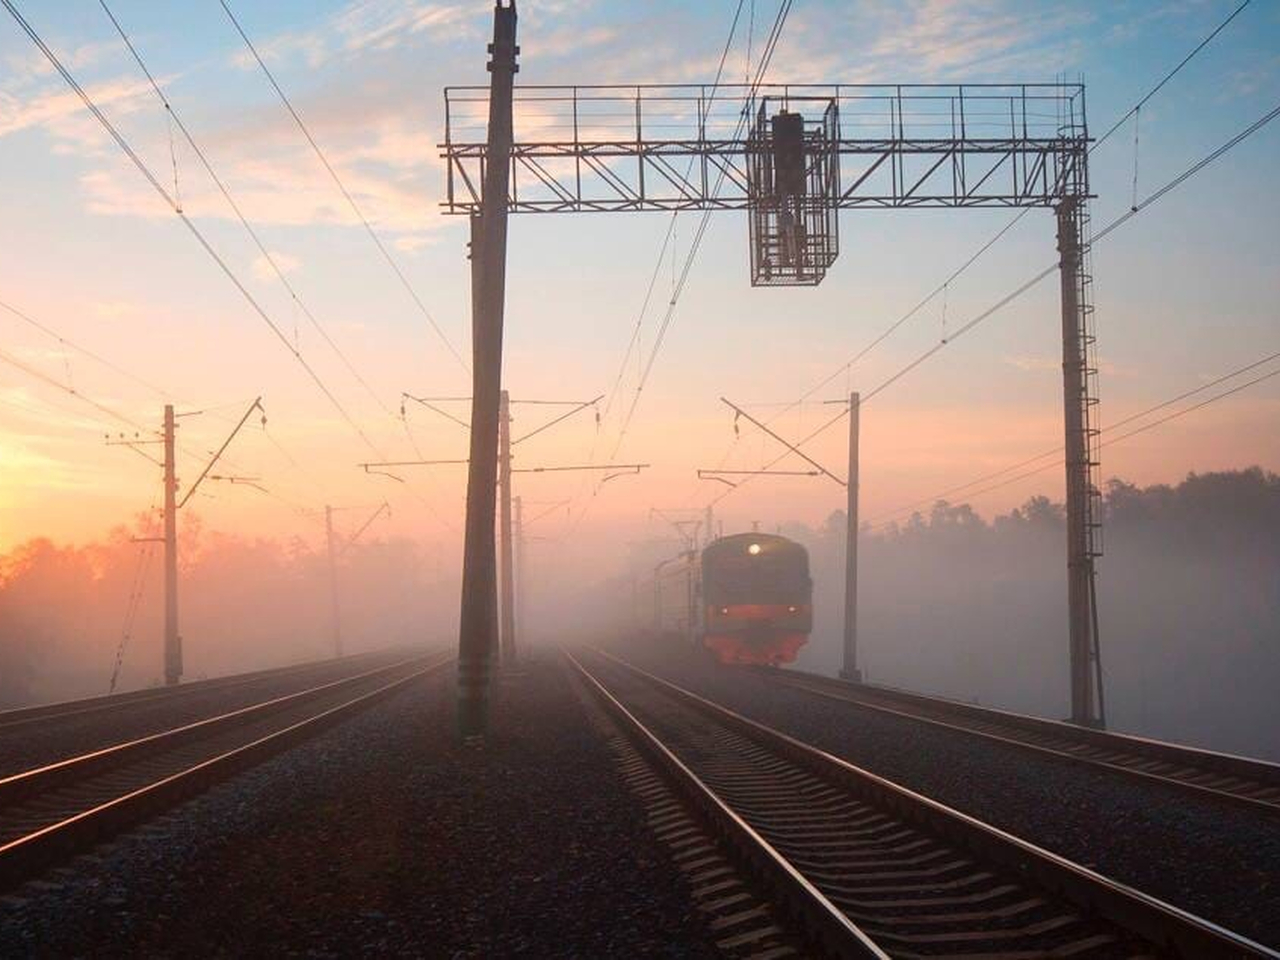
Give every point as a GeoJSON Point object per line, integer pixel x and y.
{"type": "Point", "coordinates": [742, 579]}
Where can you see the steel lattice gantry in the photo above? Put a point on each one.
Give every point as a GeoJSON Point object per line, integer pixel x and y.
{"type": "Point", "coordinates": [620, 148]}
{"type": "Point", "coordinates": [792, 156]}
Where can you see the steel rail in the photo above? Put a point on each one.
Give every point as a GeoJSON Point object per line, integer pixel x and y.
{"type": "Point", "coordinates": [1242, 781]}
{"type": "Point", "coordinates": [824, 923]}
{"type": "Point", "coordinates": [62, 709]}
{"type": "Point", "coordinates": [982, 847]}
{"type": "Point", "coordinates": [74, 830]}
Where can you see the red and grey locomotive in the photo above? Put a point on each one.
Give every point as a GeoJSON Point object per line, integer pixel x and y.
{"type": "Point", "coordinates": [746, 598]}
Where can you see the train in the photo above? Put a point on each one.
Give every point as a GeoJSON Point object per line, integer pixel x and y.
{"type": "Point", "coordinates": [746, 598]}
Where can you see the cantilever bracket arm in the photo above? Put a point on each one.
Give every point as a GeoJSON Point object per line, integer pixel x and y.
{"type": "Point", "coordinates": [256, 405]}
{"type": "Point", "coordinates": [367, 524]}
{"type": "Point", "coordinates": [433, 408]}
{"type": "Point", "coordinates": [739, 412]}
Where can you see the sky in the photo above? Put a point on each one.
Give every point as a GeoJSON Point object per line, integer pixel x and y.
{"type": "Point", "coordinates": [1185, 292]}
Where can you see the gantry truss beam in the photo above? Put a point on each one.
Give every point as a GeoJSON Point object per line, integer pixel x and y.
{"type": "Point", "coordinates": [659, 147]}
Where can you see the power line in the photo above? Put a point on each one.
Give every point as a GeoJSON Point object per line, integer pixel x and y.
{"type": "Point", "coordinates": [671, 225]}
{"type": "Point", "coordinates": [657, 270]}
{"type": "Point", "coordinates": [1054, 451]}
{"type": "Point", "coordinates": [955, 275]}
{"type": "Point", "coordinates": [386, 254]}
{"type": "Point", "coordinates": [65, 343]}
{"type": "Point", "coordinates": [150, 177]}
{"type": "Point", "coordinates": [1027, 285]}
{"type": "Point", "coordinates": [695, 244]}
{"type": "Point", "coordinates": [743, 118]}
{"type": "Point", "coordinates": [1122, 437]}
{"type": "Point", "coordinates": [69, 390]}
{"type": "Point", "coordinates": [1169, 76]}
{"type": "Point", "coordinates": [244, 221]}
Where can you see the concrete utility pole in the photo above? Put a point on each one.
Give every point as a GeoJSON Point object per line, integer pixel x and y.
{"type": "Point", "coordinates": [1078, 401]}
{"type": "Point", "coordinates": [172, 638]}
{"type": "Point", "coordinates": [333, 582]}
{"type": "Point", "coordinates": [477, 620]}
{"type": "Point", "coordinates": [707, 522]}
{"type": "Point", "coordinates": [850, 670]}
{"type": "Point", "coordinates": [505, 574]}
{"type": "Point", "coordinates": [172, 641]}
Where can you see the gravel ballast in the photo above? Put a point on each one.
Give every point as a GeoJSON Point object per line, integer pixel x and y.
{"type": "Point", "coordinates": [1210, 858]}
{"type": "Point", "coordinates": [386, 836]}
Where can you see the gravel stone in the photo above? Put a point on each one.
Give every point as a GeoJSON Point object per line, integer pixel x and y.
{"type": "Point", "coordinates": [1210, 858]}
{"type": "Point", "coordinates": [386, 836]}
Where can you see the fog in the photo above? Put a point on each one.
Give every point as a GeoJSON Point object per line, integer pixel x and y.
{"type": "Point", "coordinates": [1188, 597]}
{"type": "Point", "coordinates": [950, 603]}
{"type": "Point", "coordinates": [244, 604]}
{"type": "Point", "coordinates": [955, 604]}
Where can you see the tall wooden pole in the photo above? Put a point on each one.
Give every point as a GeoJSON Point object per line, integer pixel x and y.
{"type": "Point", "coordinates": [478, 620]}
{"type": "Point", "coordinates": [851, 670]}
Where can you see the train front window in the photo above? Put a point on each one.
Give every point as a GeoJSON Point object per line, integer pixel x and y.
{"type": "Point", "coordinates": [757, 580]}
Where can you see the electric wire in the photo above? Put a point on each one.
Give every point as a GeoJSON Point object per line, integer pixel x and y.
{"type": "Point", "coordinates": [355, 208]}
{"type": "Point", "coordinates": [68, 344]}
{"type": "Point", "coordinates": [1109, 441]}
{"type": "Point", "coordinates": [54, 382]}
{"type": "Point", "coordinates": [942, 287]}
{"type": "Point", "coordinates": [1033, 281]}
{"type": "Point", "coordinates": [695, 243]}
{"type": "Point", "coordinates": [244, 221]}
{"type": "Point", "coordinates": [1056, 450]}
{"type": "Point", "coordinates": [195, 231]}
{"type": "Point", "coordinates": [137, 589]}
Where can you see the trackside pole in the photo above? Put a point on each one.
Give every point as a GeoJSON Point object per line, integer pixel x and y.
{"type": "Point", "coordinates": [850, 670]}
{"type": "Point", "coordinates": [1077, 404]}
{"type": "Point", "coordinates": [478, 614]}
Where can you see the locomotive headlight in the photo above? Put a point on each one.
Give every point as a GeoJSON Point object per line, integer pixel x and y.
{"type": "Point", "coordinates": [791, 609]}
{"type": "Point", "coordinates": [754, 549]}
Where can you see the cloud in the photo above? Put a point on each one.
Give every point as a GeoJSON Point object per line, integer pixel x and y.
{"type": "Point", "coordinates": [19, 112]}
{"type": "Point", "coordinates": [380, 25]}
{"type": "Point", "coordinates": [263, 270]}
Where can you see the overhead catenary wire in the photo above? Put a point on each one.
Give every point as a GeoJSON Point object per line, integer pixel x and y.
{"type": "Point", "coordinates": [695, 243]}
{"type": "Point", "coordinates": [351, 201]}
{"type": "Point", "coordinates": [195, 231]}
{"type": "Point", "coordinates": [78, 394]}
{"type": "Point", "coordinates": [1033, 281]}
{"type": "Point", "coordinates": [84, 351]}
{"type": "Point", "coordinates": [977, 255]}
{"type": "Point", "coordinates": [1106, 442]}
{"type": "Point", "coordinates": [1056, 451]}
{"type": "Point", "coordinates": [57, 384]}
{"type": "Point", "coordinates": [267, 255]}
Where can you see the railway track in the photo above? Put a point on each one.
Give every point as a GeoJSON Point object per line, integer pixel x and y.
{"type": "Point", "coordinates": [869, 869]}
{"type": "Point", "coordinates": [52, 812]}
{"type": "Point", "coordinates": [14, 720]}
{"type": "Point", "coordinates": [1241, 781]}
